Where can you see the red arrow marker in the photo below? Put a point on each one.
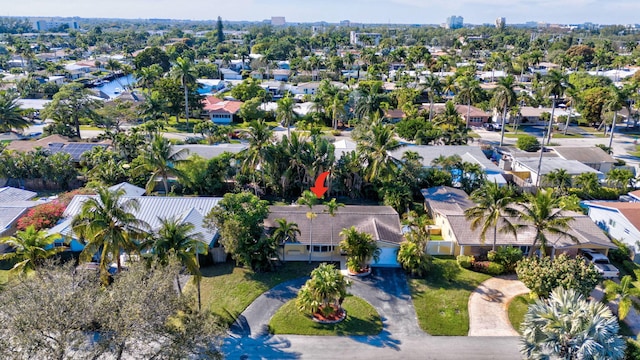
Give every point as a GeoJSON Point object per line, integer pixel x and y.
{"type": "Point", "coordinates": [319, 189]}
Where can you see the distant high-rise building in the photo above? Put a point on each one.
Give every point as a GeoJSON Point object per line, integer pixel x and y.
{"type": "Point", "coordinates": [345, 23]}
{"type": "Point", "coordinates": [454, 22]}
{"type": "Point", "coordinates": [501, 22]}
{"type": "Point", "coordinates": [278, 20]}
{"type": "Point", "coordinates": [44, 25]}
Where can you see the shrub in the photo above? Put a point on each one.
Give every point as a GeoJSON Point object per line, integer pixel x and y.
{"type": "Point", "coordinates": [495, 269]}
{"type": "Point", "coordinates": [633, 350]}
{"type": "Point", "coordinates": [43, 216]}
{"type": "Point", "coordinates": [465, 261]}
{"type": "Point", "coordinates": [448, 270]}
{"type": "Point", "coordinates": [528, 143]}
{"type": "Point", "coordinates": [336, 132]}
{"type": "Point", "coordinates": [620, 253]}
{"type": "Point", "coordinates": [507, 256]}
{"type": "Point", "coordinates": [542, 275]}
{"type": "Point", "coordinates": [629, 266]}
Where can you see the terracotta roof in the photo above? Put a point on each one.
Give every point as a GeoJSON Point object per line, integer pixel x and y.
{"type": "Point", "coordinates": [461, 109]}
{"type": "Point", "coordinates": [213, 104]}
{"type": "Point", "coordinates": [630, 210]}
{"type": "Point", "coordinates": [381, 222]}
{"type": "Point", "coordinates": [395, 114]}
{"type": "Point", "coordinates": [582, 227]}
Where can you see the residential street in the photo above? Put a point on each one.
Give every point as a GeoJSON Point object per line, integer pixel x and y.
{"type": "Point", "coordinates": [401, 338]}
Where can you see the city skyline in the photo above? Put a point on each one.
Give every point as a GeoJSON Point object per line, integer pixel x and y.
{"type": "Point", "coordinates": [357, 11]}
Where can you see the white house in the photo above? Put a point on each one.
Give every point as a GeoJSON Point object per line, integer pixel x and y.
{"type": "Point", "coordinates": [530, 165]}
{"type": "Point", "coordinates": [621, 220]}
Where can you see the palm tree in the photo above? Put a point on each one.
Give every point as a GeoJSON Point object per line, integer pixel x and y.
{"type": "Point", "coordinates": [177, 238]}
{"type": "Point", "coordinates": [331, 208]}
{"type": "Point", "coordinates": [493, 204]}
{"type": "Point", "coordinates": [285, 113]}
{"type": "Point", "coordinates": [10, 114]}
{"type": "Point", "coordinates": [147, 76]}
{"type": "Point", "coordinates": [309, 199]}
{"type": "Point", "coordinates": [324, 291]}
{"type": "Point", "coordinates": [505, 97]}
{"type": "Point", "coordinates": [559, 179]}
{"type": "Point", "coordinates": [556, 84]}
{"type": "Point", "coordinates": [588, 182]}
{"type": "Point", "coordinates": [31, 248]}
{"type": "Point", "coordinates": [544, 214]}
{"type": "Point", "coordinates": [566, 326]}
{"type": "Point", "coordinates": [624, 292]}
{"type": "Point", "coordinates": [108, 226]}
{"type": "Point", "coordinates": [433, 86]}
{"type": "Point", "coordinates": [413, 257]}
{"type": "Point", "coordinates": [184, 71]}
{"type": "Point", "coordinates": [616, 100]}
{"type": "Point", "coordinates": [376, 144]}
{"type": "Point", "coordinates": [620, 178]}
{"type": "Point", "coordinates": [259, 136]}
{"type": "Point", "coordinates": [285, 232]}
{"type": "Point", "coordinates": [359, 247]}
{"type": "Point", "coordinates": [337, 109]}
{"type": "Point", "coordinates": [160, 160]}
{"type": "Point", "coordinates": [468, 91]}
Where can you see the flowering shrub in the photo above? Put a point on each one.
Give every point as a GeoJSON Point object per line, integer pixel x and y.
{"type": "Point", "coordinates": [43, 216]}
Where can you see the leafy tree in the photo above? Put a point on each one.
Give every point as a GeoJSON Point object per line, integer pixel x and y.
{"type": "Point", "coordinates": [250, 110]}
{"type": "Point", "coordinates": [248, 89]}
{"type": "Point", "coordinates": [108, 226]}
{"type": "Point", "coordinates": [10, 113]}
{"type": "Point", "coordinates": [493, 205]}
{"type": "Point", "coordinates": [31, 247]}
{"type": "Point", "coordinates": [71, 103]}
{"type": "Point", "coordinates": [239, 218]}
{"type": "Point", "coordinates": [359, 247]}
{"type": "Point", "coordinates": [567, 326]}
{"type": "Point", "coordinates": [219, 32]}
{"type": "Point", "coordinates": [160, 160]}
{"type": "Point", "coordinates": [544, 214]}
{"type": "Point", "coordinates": [624, 292]}
{"type": "Point", "coordinates": [542, 275]}
{"type": "Point", "coordinates": [324, 291]}
{"type": "Point", "coordinates": [151, 56]}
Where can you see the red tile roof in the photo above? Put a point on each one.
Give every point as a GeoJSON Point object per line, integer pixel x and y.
{"type": "Point", "coordinates": [213, 104]}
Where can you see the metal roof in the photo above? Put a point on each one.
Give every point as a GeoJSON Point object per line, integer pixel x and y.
{"type": "Point", "coordinates": [11, 194]}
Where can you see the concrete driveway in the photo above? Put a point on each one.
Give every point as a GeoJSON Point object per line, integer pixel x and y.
{"type": "Point", "coordinates": [401, 337]}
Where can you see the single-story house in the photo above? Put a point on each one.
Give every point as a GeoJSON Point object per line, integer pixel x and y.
{"type": "Point", "coordinates": [310, 88]}
{"type": "Point", "coordinates": [210, 85]}
{"type": "Point", "coordinates": [477, 116]}
{"type": "Point", "coordinates": [57, 143]}
{"type": "Point", "coordinates": [621, 220]}
{"type": "Point", "coordinates": [281, 74]}
{"type": "Point", "coordinates": [527, 168]}
{"type": "Point", "coordinates": [533, 115]}
{"type": "Point", "coordinates": [228, 74]}
{"type": "Point", "coordinates": [394, 115]}
{"type": "Point", "coordinates": [318, 240]}
{"type": "Point", "coordinates": [151, 209]}
{"type": "Point", "coordinates": [220, 111]}
{"type": "Point", "coordinates": [472, 154]}
{"type": "Point", "coordinates": [14, 203]}
{"type": "Point", "coordinates": [275, 88]}
{"type": "Point", "coordinates": [447, 205]}
{"type": "Point", "coordinates": [592, 156]}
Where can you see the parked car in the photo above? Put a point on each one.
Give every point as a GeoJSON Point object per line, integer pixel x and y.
{"type": "Point", "coordinates": [601, 263]}
{"type": "Point", "coordinates": [488, 126]}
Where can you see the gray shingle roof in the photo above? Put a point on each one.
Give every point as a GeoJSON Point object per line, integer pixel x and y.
{"type": "Point", "coordinates": [381, 222]}
{"type": "Point", "coordinates": [584, 154]}
{"type": "Point", "coordinates": [447, 200]}
{"type": "Point", "coordinates": [430, 153]}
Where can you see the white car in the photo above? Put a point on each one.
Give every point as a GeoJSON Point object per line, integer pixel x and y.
{"type": "Point", "coordinates": [601, 263]}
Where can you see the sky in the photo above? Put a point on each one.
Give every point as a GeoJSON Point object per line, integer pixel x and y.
{"type": "Point", "coordinates": [361, 11]}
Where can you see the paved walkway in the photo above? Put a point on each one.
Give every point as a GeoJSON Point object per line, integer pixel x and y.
{"type": "Point", "coordinates": [401, 337]}
{"type": "Point", "coordinates": [488, 306]}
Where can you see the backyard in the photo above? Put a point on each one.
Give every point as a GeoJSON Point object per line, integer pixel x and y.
{"type": "Point", "coordinates": [442, 305]}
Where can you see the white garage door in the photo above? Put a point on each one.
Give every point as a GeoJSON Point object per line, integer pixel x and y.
{"type": "Point", "coordinates": [388, 257]}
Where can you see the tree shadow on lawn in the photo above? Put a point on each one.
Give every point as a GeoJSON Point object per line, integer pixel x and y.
{"type": "Point", "coordinates": [263, 347]}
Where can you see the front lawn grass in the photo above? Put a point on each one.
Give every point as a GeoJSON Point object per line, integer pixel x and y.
{"type": "Point", "coordinates": [518, 307]}
{"type": "Point", "coordinates": [362, 319]}
{"type": "Point", "coordinates": [442, 305]}
{"type": "Point", "coordinates": [227, 290]}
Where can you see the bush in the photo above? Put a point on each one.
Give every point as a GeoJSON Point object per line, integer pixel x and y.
{"type": "Point", "coordinates": [465, 261]}
{"type": "Point", "coordinates": [620, 253]}
{"type": "Point", "coordinates": [336, 132]}
{"type": "Point", "coordinates": [542, 275]}
{"type": "Point", "coordinates": [447, 269]}
{"type": "Point", "coordinates": [602, 193]}
{"type": "Point", "coordinates": [633, 350]}
{"type": "Point", "coordinates": [507, 256]}
{"type": "Point", "coordinates": [528, 143]}
{"type": "Point", "coordinates": [495, 269]}
{"type": "Point", "coordinates": [43, 216]}
{"type": "Point", "coordinates": [629, 266]}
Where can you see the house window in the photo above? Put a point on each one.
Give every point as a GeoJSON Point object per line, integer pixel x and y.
{"type": "Point", "coordinates": [612, 223]}
{"type": "Point", "coordinates": [320, 248]}
{"type": "Point", "coordinates": [626, 231]}
{"type": "Point", "coordinates": [524, 249]}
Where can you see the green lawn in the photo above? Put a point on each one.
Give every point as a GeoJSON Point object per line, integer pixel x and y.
{"type": "Point", "coordinates": [635, 153]}
{"type": "Point", "coordinates": [518, 307]}
{"type": "Point", "coordinates": [362, 319]}
{"type": "Point", "coordinates": [442, 306]}
{"type": "Point", "coordinates": [4, 276]}
{"type": "Point", "coordinates": [227, 290]}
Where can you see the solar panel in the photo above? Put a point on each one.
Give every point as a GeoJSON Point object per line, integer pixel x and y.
{"type": "Point", "coordinates": [77, 149]}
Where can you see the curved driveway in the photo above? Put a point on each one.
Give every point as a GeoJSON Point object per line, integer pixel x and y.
{"type": "Point", "coordinates": [401, 338]}
{"type": "Point", "coordinates": [488, 306]}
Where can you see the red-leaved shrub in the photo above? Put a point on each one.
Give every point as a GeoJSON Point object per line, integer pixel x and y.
{"type": "Point", "coordinates": [43, 216]}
